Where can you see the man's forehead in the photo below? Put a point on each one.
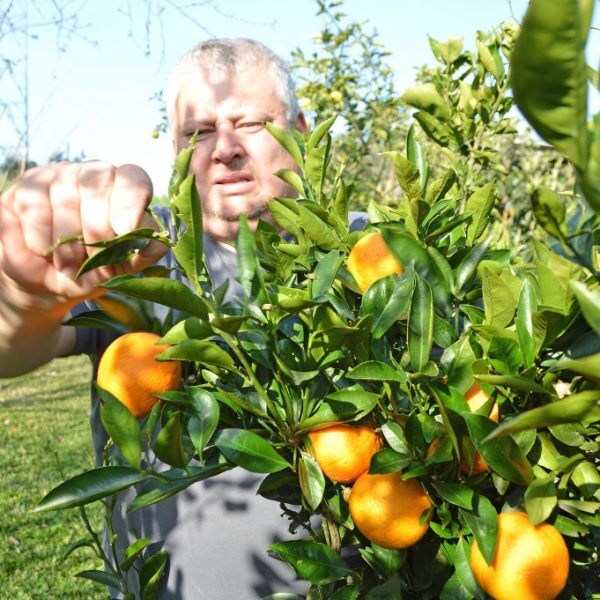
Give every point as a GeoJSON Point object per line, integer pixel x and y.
{"type": "Point", "coordinates": [204, 91]}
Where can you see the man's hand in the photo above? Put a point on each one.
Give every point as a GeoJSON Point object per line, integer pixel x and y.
{"type": "Point", "coordinates": [93, 201]}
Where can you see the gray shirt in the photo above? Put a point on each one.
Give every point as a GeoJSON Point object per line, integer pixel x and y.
{"type": "Point", "coordinates": [217, 531]}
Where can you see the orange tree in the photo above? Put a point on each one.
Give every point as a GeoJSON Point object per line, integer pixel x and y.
{"type": "Point", "coordinates": [305, 349]}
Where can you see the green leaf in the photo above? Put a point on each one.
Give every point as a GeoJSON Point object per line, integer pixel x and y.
{"type": "Point", "coordinates": [407, 175]}
{"type": "Point", "coordinates": [483, 523]}
{"type": "Point", "coordinates": [320, 132]}
{"type": "Point", "coordinates": [156, 491]}
{"type": "Point", "coordinates": [394, 436]}
{"type": "Point", "coordinates": [468, 265]}
{"type": "Point", "coordinates": [589, 180]}
{"type": "Point", "coordinates": [505, 355]}
{"type": "Point", "coordinates": [487, 49]}
{"type": "Point", "coordinates": [122, 427]}
{"type": "Point", "coordinates": [112, 255]}
{"type": "Point", "coordinates": [385, 561]}
{"type": "Point", "coordinates": [286, 138]}
{"type": "Point", "coordinates": [435, 129]}
{"type": "Point", "coordinates": [589, 302]}
{"type": "Point", "coordinates": [525, 326]}
{"type": "Point", "coordinates": [519, 383]}
{"type": "Point", "coordinates": [250, 451]}
{"type": "Point", "coordinates": [416, 155]}
{"type": "Point", "coordinates": [325, 272]}
{"type": "Point", "coordinates": [448, 51]}
{"type": "Point", "coordinates": [498, 300]}
{"type": "Point", "coordinates": [420, 324]}
{"type": "Point", "coordinates": [133, 551]}
{"type": "Point", "coordinates": [389, 461]}
{"type": "Point", "coordinates": [187, 209]}
{"type": "Point", "coordinates": [438, 189]}
{"type": "Point", "coordinates": [151, 573]}
{"type": "Point", "coordinates": [457, 494]}
{"type": "Point", "coordinates": [190, 328]}
{"type": "Point", "coordinates": [315, 167]}
{"type": "Point", "coordinates": [291, 178]}
{"type": "Point", "coordinates": [571, 409]}
{"type": "Point", "coordinates": [540, 499]}
{"type": "Point", "coordinates": [96, 319]}
{"type": "Point", "coordinates": [312, 480]}
{"type": "Point", "coordinates": [204, 419]}
{"type": "Point", "coordinates": [181, 166]}
{"type": "Point", "coordinates": [246, 257]}
{"type": "Point", "coordinates": [89, 486]}
{"type": "Point", "coordinates": [168, 292]}
{"type": "Point", "coordinates": [426, 98]}
{"type": "Point", "coordinates": [284, 216]}
{"type": "Point", "coordinates": [315, 562]}
{"type": "Point", "coordinates": [480, 204]}
{"type": "Point", "coordinates": [317, 230]}
{"type": "Point", "coordinates": [101, 577]}
{"type": "Point", "coordinates": [389, 590]}
{"type": "Point", "coordinates": [588, 366]}
{"type": "Point", "coordinates": [168, 445]}
{"type": "Point", "coordinates": [457, 361]}
{"type": "Point", "coordinates": [374, 370]}
{"type": "Point", "coordinates": [407, 250]}
{"type": "Point", "coordinates": [206, 353]}
{"type": "Point", "coordinates": [549, 211]}
{"type": "Point", "coordinates": [548, 76]}
{"type": "Point", "coordinates": [502, 455]}
{"type": "Point", "coordinates": [462, 564]}
{"type": "Point", "coordinates": [388, 301]}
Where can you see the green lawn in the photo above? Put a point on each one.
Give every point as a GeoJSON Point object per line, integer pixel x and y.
{"type": "Point", "coordinates": [44, 438]}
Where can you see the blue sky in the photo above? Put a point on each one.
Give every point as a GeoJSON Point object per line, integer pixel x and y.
{"type": "Point", "coordinates": [95, 97]}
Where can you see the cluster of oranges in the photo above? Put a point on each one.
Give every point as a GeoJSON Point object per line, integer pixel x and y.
{"type": "Point", "coordinates": [386, 509]}
{"type": "Point", "coordinates": [530, 562]}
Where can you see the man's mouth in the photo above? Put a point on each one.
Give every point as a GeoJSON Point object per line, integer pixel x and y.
{"type": "Point", "coordinates": [230, 178]}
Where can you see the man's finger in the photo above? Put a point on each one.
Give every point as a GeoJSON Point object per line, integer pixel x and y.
{"type": "Point", "coordinates": [95, 187]}
{"type": "Point", "coordinates": [66, 218]}
{"type": "Point", "coordinates": [131, 193]}
{"type": "Point", "coordinates": [30, 202]}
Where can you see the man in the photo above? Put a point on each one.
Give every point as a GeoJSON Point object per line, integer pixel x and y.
{"type": "Point", "coordinates": [216, 532]}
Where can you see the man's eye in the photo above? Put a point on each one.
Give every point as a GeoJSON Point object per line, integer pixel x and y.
{"type": "Point", "coordinates": [251, 126]}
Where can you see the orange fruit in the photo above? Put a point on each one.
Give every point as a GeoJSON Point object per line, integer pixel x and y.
{"type": "Point", "coordinates": [476, 398]}
{"type": "Point", "coordinates": [531, 562]}
{"type": "Point", "coordinates": [344, 451]}
{"type": "Point", "coordinates": [129, 371]}
{"type": "Point", "coordinates": [370, 260]}
{"type": "Point", "coordinates": [388, 510]}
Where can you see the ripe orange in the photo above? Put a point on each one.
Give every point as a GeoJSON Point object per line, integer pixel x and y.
{"type": "Point", "coordinates": [344, 451]}
{"type": "Point", "coordinates": [530, 562]}
{"type": "Point", "coordinates": [476, 398]}
{"type": "Point", "coordinates": [388, 510]}
{"type": "Point", "coordinates": [129, 371]}
{"type": "Point", "coordinates": [370, 260]}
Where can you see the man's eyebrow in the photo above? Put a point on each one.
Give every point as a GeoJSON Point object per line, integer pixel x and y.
{"type": "Point", "coordinates": [192, 124]}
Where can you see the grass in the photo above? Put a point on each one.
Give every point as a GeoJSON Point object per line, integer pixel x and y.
{"type": "Point", "coordinates": [44, 438]}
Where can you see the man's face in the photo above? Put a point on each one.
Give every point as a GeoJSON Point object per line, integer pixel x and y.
{"type": "Point", "coordinates": [235, 156]}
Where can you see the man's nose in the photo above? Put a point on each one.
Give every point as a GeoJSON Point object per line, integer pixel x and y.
{"type": "Point", "coordinates": [227, 146]}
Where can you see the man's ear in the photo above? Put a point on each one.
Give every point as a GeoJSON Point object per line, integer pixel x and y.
{"type": "Point", "coordinates": [300, 123]}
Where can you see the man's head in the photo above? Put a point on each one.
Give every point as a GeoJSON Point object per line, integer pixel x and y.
{"type": "Point", "coordinates": [227, 89]}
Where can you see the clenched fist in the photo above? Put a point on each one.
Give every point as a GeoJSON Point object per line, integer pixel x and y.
{"type": "Point", "coordinates": [93, 200]}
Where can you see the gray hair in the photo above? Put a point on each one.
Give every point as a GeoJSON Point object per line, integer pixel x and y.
{"type": "Point", "coordinates": [227, 54]}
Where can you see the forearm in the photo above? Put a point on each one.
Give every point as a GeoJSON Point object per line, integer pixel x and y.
{"type": "Point", "coordinates": [31, 331]}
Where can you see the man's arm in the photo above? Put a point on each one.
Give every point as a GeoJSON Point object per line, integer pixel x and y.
{"type": "Point", "coordinates": [92, 200]}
